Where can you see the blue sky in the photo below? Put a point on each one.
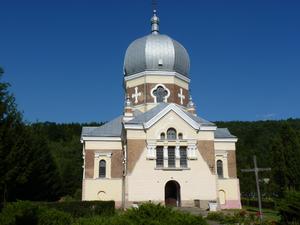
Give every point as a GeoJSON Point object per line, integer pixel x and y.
{"type": "Point", "coordinates": [64, 59]}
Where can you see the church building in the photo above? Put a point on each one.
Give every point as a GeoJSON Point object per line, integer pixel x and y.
{"type": "Point", "coordinates": [159, 149]}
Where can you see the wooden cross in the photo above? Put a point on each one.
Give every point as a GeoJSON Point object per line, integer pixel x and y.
{"type": "Point", "coordinates": [136, 95]}
{"type": "Point", "coordinates": [256, 170]}
{"type": "Point", "coordinates": [181, 96]}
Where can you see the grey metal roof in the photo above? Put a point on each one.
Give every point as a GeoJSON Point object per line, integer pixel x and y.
{"type": "Point", "coordinates": [144, 54]}
{"type": "Point", "coordinates": [145, 117]}
{"type": "Point", "coordinates": [198, 119]}
{"type": "Point", "coordinates": [223, 133]}
{"type": "Point", "coordinates": [112, 128]}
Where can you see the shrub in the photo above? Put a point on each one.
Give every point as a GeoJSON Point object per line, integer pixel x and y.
{"type": "Point", "coordinates": [215, 216]}
{"type": "Point", "coordinates": [239, 217]}
{"type": "Point", "coordinates": [21, 212]}
{"type": "Point", "coordinates": [152, 214]}
{"type": "Point", "coordinates": [54, 217]}
{"type": "Point", "coordinates": [146, 214]}
{"type": "Point", "coordinates": [84, 208]}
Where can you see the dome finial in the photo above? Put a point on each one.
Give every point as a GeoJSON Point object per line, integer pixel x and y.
{"type": "Point", "coordinates": [154, 20]}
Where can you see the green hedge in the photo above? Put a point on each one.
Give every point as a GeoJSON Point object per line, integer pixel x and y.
{"type": "Point", "coordinates": [54, 213]}
{"type": "Point", "coordinates": [84, 208]}
{"type": "Point", "coordinates": [32, 213]}
{"type": "Point", "coordinates": [267, 204]}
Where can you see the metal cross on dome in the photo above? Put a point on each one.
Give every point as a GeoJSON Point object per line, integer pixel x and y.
{"type": "Point", "coordinates": [160, 93]}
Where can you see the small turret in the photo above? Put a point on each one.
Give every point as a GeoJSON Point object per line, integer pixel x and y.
{"type": "Point", "coordinates": [128, 111]}
{"type": "Point", "coordinates": [191, 108]}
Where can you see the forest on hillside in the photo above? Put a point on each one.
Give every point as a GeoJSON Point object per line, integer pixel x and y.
{"type": "Point", "coordinates": [43, 161]}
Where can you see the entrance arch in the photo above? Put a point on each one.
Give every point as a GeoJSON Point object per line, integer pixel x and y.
{"type": "Point", "coordinates": [172, 193]}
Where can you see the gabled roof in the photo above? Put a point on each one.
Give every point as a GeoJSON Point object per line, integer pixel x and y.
{"type": "Point", "coordinates": [223, 133]}
{"type": "Point", "coordinates": [112, 128]}
{"type": "Point", "coordinates": [148, 118]}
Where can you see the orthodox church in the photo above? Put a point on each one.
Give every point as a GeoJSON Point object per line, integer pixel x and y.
{"type": "Point", "coordinates": [159, 149]}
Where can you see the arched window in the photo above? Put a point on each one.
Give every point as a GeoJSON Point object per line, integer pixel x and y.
{"type": "Point", "coordinates": [162, 136]}
{"type": "Point", "coordinates": [180, 136]}
{"type": "Point", "coordinates": [220, 168]}
{"type": "Point", "coordinates": [102, 168]}
{"type": "Point", "coordinates": [171, 134]}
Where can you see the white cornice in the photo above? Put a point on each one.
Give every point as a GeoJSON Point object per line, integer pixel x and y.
{"type": "Point", "coordinates": [133, 126]}
{"type": "Point", "coordinates": [158, 73]}
{"type": "Point", "coordinates": [100, 139]}
{"type": "Point", "coordinates": [226, 139]}
{"type": "Point", "coordinates": [203, 127]}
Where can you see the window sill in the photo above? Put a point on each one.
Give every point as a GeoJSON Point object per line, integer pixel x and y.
{"type": "Point", "coordinates": [172, 168]}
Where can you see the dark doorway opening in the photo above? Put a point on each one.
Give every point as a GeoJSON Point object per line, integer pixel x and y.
{"type": "Point", "coordinates": [172, 193]}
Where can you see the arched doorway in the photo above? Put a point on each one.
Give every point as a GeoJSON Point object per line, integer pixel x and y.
{"type": "Point", "coordinates": [172, 193]}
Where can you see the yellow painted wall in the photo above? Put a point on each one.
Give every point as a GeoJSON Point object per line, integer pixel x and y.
{"type": "Point", "coordinates": [231, 188]}
{"type": "Point", "coordinates": [157, 80]}
{"type": "Point", "coordinates": [102, 189]}
{"type": "Point", "coordinates": [145, 183]}
{"type": "Point", "coordinates": [103, 145]}
{"type": "Point", "coordinates": [224, 145]}
{"type": "Point", "coordinates": [171, 119]}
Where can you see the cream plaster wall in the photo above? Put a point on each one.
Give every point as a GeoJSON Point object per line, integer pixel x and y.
{"type": "Point", "coordinates": [102, 189]}
{"type": "Point", "coordinates": [103, 145]}
{"type": "Point", "coordinates": [231, 188]}
{"type": "Point", "coordinates": [157, 80]}
{"type": "Point", "coordinates": [171, 119]}
{"type": "Point", "coordinates": [147, 183]}
{"type": "Point", "coordinates": [225, 145]}
{"type": "Point", "coordinates": [136, 134]}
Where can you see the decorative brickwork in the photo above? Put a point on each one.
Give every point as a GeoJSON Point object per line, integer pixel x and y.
{"type": "Point", "coordinates": [146, 96]}
{"type": "Point", "coordinates": [231, 164]}
{"type": "Point", "coordinates": [89, 164]}
{"type": "Point", "coordinates": [207, 151]}
{"type": "Point", "coordinates": [134, 151]}
{"type": "Point", "coordinates": [116, 164]}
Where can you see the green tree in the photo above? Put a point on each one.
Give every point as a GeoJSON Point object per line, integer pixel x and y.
{"type": "Point", "coordinates": [27, 169]}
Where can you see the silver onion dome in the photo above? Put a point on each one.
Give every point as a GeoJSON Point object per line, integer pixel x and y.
{"type": "Point", "coordinates": [156, 52]}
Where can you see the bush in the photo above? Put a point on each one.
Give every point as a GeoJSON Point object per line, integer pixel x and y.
{"type": "Point", "coordinates": [289, 208]}
{"type": "Point", "coordinates": [215, 216]}
{"type": "Point", "coordinates": [19, 213]}
{"type": "Point", "coordinates": [54, 217]}
{"type": "Point", "coordinates": [84, 208]}
{"type": "Point", "coordinates": [239, 217]}
{"type": "Point", "coordinates": [152, 214]}
{"type": "Point", "coordinates": [146, 214]}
